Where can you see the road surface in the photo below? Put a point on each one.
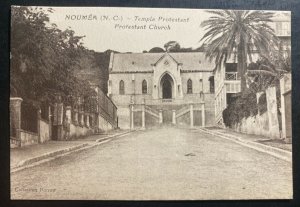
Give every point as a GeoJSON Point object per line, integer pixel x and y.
{"type": "Point", "coordinates": [165, 163]}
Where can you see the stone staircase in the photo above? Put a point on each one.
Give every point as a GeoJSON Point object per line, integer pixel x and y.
{"type": "Point", "coordinates": [152, 111]}
{"type": "Point", "coordinates": [182, 111]}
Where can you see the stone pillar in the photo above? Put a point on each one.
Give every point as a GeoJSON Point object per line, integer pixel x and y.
{"type": "Point", "coordinates": [75, 117]}
{"type": "Point", "coordinates": [50, 122]}
{"type": "Point", "coordinates": [160, 116]}
{"type": "Point", "coordinates": [282, 109]}
{"type": "Point", "coordinates": [143, 116]}
{"type": "Point", "coordinates": [191, 115]}
{"type": "Point", "coordinates": [203, 114]}
{"type": "Point", "coordinates": [15, 117]}
{"type": "Point", "coordinates": [92, 120]}
{"type": "Point", "coordinates": [173, 116]}
{"type": "Point", "coordinates": [131, 117]}
{"type": "Point", "coordinates": [87, 120]}
{"type": "Point", "coordinates": [68, 113]}
{"type": "Point", "coordinates": [67, 122]}
{"type": "Point", "coordinates": [285, 90]}
{"type": "Point", "coordinates": [82, 119]}
{"type": "Point", "coordinates": [272, 112]}
{"type": "Point", "coordinates": [39, 114]}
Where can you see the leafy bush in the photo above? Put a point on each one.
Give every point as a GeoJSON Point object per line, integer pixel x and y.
{"type": "Point", "coordinates": [243, 106]}
{"type": "Point", "coordinates": [262, 103]}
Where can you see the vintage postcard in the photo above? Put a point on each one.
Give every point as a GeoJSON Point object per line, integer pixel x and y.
{"type": "Point", "coordinates": [150, 104]}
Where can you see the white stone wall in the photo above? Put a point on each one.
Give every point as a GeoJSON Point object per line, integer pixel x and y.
{"type": "Point", "coordinates": [104, 125]}
{"type": "Point", "coordinates": [258, 125]}
{"type": "Point", "coordinates": [28, 138]}
{"type": "Point", "coordinates": [44, 131]}
{"type": "Point", "coordinates": [131, 87]}
{"type": "Point", "coordinates": [198, 86]}
{"type": "Point", "coordinates": [78, 131]}
{"type": "Point", "coordinates": [124, 117]}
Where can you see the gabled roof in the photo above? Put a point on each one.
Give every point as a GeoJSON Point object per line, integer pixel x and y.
{"type": "Point", "coordinates": [132, 62]}
{"type": "Point", "coordinates": [162, 57]}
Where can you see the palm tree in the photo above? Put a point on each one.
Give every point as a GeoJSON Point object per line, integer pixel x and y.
{"type": "Point", "coordinates": [233, 33]}
{"type": "Point", "coordinates": [267, 71]}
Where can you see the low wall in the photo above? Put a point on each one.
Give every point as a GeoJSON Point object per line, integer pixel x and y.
{"type": "Point", "coordinates": [258, 125]}
{"type": "Point", "coordinates": [197, 118]}
{"type": "Point", "coordinates": [14, 142]}
{"type": "Point", "coordinates": [137, 118]}
{"type": "Point", "coordinates": [44, 131]}
{"type": "Point", "coordinates": [124, 117]}
{"type": "Point", "coordinates": [28, 138]}
{"type": "Point", "coordinates": [266, 124]}
{"type": "Point", "coordinates": [150, 120]}
{"type": "Point", "coordinates": [184, 119]}
{"type": "Point", "coordinates": [79, 131]}
{"type": "Point", "coordinates": [104, 125]}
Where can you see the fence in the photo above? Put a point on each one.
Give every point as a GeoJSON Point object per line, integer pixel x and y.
{"type": "Point", "coordinates": [29, 114]}
{"type": "Point", "coordinates": [107, 108]}
{"type": "Point", "coordinates": [30, 124]}
{"type": "Point", "coordinates": [13, 128]}
{"type": "Point", "coordinates": [45, 111]}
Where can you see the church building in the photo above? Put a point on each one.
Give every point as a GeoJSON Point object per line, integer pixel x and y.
{"type": "Point", "coordinates": [152, 89]}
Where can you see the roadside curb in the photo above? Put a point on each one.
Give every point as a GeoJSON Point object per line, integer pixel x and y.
{"type": "Point", "coordinates": [47, 155]}
{"type": "Point", "coordinates": [115, 135]}
{"type": "Point", "coordinates": [31, 162]}
{"type": "Point", "coordinates": [276, 152]}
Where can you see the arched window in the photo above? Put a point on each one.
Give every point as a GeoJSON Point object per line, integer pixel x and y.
{"type": "Point", "coordinates": [211, 84]}
{"type": "Point", "coordinates": [121, 88]}
{"type": "Point", "coordinates": [189, 86]}
{"type": "Point", "coordinates": [144, 87]}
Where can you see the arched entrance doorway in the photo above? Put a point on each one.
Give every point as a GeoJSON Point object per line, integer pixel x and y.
{"type": "Point", "coordinates": [167, 89]}
{"type": "Point", "coordinates": [167, 86]}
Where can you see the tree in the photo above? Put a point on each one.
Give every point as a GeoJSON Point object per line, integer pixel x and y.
{"type": "Point", "coordinates": [43, 57]}
{"type": "Point", "coordinates": [268, 70]}
{"type": "Point", "coordinates": [156, 50]}
{"type": "Point", "coordinates": [172, 46]}
{"type": "Point", "coordinates": [231, 33]}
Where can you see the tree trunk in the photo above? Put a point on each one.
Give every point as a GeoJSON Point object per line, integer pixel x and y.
{"type": "Point", "coordinates": [242, 64]}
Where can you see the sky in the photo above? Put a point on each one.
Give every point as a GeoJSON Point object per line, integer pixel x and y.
{"type": "Point", "coordinates": [132, 29]}
{"type": "Point", "coordinates": [102, 34]}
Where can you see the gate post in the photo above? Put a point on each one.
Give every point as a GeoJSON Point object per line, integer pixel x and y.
{"type": "Point", "coordinates": [131, 117]}
{"type": "Point", "coordinates": [173, 116]}
{"type": "Point", "coordinates": [15, 118]}
{"type": "Point", "coordinates": [143, 115]}
{"type": "Point", "coordinates": [285, 92]}
{"type": "Point", "coordinates": [191, 115]}
{"type": "Point", "coordinates": [203, 114]}
{"type": "Point", "coordinates": [272, 112]}
{"type": "Point", "coordinates": [67, 122]}
{"type": "Point", "coordinates": [160, 120]}
{"type": "Point", "coordinates": [39, 112]}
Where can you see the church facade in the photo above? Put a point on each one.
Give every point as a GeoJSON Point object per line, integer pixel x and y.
{"type": "Point", "coordinates": [152, 89]}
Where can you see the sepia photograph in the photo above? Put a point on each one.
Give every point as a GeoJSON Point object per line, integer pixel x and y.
{"type": "Point", "coordinates": [119, 103]}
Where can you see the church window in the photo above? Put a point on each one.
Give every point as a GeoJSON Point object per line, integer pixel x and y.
{"type": "Point", "coordinates": [144, 87]}
{"type": "Point", "coordinates": [211, 84]}
{"type": "Point", "coordinates": [189, 86]}
{"type": "Point", "coordinates": [121, 88]}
